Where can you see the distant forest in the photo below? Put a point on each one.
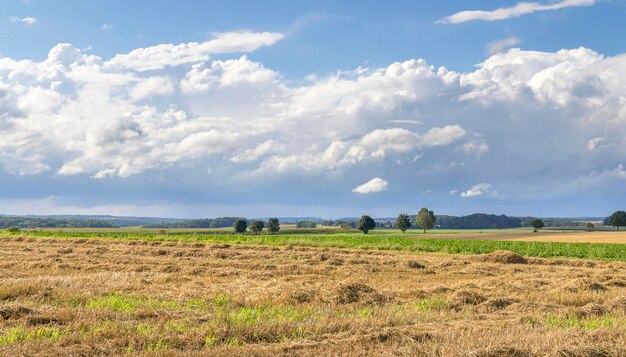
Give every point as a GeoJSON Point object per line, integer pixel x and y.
{"type": "Point", "coordinates": [472, 221]}
{"type": "Point", "coordinates": [29, 222]}
{"type": "Point", "coordinates": [220, 222]}
{"type": "Point", "coordinates": [477, 221]}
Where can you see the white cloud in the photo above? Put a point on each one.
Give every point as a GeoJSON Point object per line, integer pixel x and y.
{"type": "Point", "coordinates": [265, 148]}
{"type": "Point", "coordinates": [595, 143]}
{"type": "Point", "coordinates": [106, 27]}
{"type": "Point", "coordinates": [224, 74]}
{"type": "Point", "coordinates": [500, 45]}
{"type": "Point", "coordinates": [169, 55]}
{"type": "Point", "coordinates": [478, 190]}
{"type": "Point", "coordinates": [372, 186]}
{"type": "Point", "coordinates": [25, 21]}
{"type": "Point", "coordinates": [477, 148]}
{"type": "Point", "coordinates": [152, 86]}
{"type": "Point", "coordinates": [374, 146]}
{"type": "Point", "coordinates": [521, 8]}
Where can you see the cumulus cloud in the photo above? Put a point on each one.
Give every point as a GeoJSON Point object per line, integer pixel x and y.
{"type": "Point", "coordinates": [501, 45]}
{"type": "Point", "coordinates": [168, 107]}
{"type": "Point", "coordinates": [503, 13]}
{"type": "Point", "coordinates": [152, 86]}
{"type": "Point", "coordinates": [478, 190]}
{"type": "Point", "coordinates": [224, 74]}
{"type": "Point", "coordinates": [372, 186]}
{"type": "Point", "coordinates": [25, 21]}
{"type": "Point", "coordinates": [106, 27]}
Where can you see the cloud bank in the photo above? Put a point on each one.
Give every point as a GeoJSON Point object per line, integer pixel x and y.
{"type": "Point", "coordinates": [532, 124]}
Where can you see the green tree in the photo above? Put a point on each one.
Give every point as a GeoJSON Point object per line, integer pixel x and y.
{"type": "Point", "coordinates": [273, 225]}
{"type": "Point", "coordinates": [618, 219]}
{"type": "Point", "coordinates": [403, 222]}
{"type": "Point", "coordinates": [366, 224]}
{"type": "Point", "coordinates": [257, 226]}
{"type": "Point", "coordinates": [425, 219]}
{"type": "Point", "coordinates": [240, 226]}
{"type": "Point", "coordinates": [13, 229]}
{"type": "Point", "coordinates": [537, 224]}
{"type": "Point", "coordinates": [590, 226]}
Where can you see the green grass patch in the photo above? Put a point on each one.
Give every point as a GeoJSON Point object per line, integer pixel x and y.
{"type": "Point", "coordinates": [250, 315]}
{"type": "Point", "coordinates": [587, 324]}
{"type": "Point", "coordinates": [16, 335]}
{"type": "Point", "coordinates": [115, 302]}
{"type": "Point", "coordinates": [431, 304]}
{"type": "Point", "coordinates": [128, 303]}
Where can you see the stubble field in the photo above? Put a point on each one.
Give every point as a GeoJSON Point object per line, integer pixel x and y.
{"type": "Point", "coordinates": [76, 296]}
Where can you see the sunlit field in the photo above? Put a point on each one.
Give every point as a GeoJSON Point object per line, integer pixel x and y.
{"type": "Point", "coordinates": [387, 293]}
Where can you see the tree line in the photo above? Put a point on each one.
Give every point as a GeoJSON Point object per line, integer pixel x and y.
{"type": "Point", "coordinates": [219, 222]}
{"type": "Point", "coordinates": [33, 222]}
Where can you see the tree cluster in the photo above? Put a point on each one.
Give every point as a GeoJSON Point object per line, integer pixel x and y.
{"type": "Point", "coordinates": [256, 226]}
{"type": "Point", "coordinates": [617, 219]}
{"type": "Point", "coordinates": [306, 224]}
{"type": "Point", "coordinates": [425, 220]}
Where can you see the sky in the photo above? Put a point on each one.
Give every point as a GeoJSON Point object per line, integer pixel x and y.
{"type": "Point", "coordinates": [312, 108]}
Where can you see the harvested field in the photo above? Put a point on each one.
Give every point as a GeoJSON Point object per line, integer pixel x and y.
{"type": "Point", "coordinates": [527, 235]}
{"type": "Point", "coordinates": [111, 297]}
{"type": "Point", "coordinates": [577, 237]}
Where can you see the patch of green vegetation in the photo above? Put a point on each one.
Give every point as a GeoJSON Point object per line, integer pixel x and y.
{"type": "Point", "coordinates": [431, 304]}
{"type": "Point", "coordinates": [222, 301]}
{"type": "Point", "coordinates": [144, 329]}
{"type": "Point", "coordinates": [210, 341]}
{"type": "Point", "coordinates": [232, 341]}
{"type": "Point", "coordinates": [376, 240]}
{"type": "Point", "coordinates": [364, 313]}
{"type": "Point", "coordinates": [128, 303]}
{"type": "Point", "coordinates": [115, 302]}
{"type": "Point", "coordinates": [250, 315]}
{"type": "Point", "coordinates": [159, 345]}
{"type": "Point", "coordinates": [587, 324]}
{"type": "Point", "coordinates": [20, 334]}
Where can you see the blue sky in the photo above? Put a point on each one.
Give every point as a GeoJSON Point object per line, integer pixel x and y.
{"type": "Point", "coordinates": [327, 108]}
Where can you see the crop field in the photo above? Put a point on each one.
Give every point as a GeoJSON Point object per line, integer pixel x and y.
{"type": "Point", "coordinates": [80, 293]}
{"type": "Point", "coordinates": [554, 243]}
